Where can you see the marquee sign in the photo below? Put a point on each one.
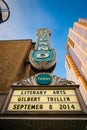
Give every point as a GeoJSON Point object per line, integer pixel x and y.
{"type": "Point", "coordinates": [42, 100]}
{"type": "Point", "coordinates": [43, 57]}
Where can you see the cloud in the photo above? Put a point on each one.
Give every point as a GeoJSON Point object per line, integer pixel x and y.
{"type": "Point", "coordinates": [25, 19]}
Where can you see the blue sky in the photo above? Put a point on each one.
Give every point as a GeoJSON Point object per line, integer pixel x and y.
{"type": "Point", "coordinates": [26, 16]}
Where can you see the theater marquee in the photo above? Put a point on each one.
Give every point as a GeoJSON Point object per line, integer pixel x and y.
{"type": "Point", "coordinates": [50, 100]}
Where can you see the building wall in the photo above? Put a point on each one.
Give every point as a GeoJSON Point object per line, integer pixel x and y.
{"type": "Point", "coordinates": [13, 53]}
{"type": "Point", "coordinates": [76, 55]}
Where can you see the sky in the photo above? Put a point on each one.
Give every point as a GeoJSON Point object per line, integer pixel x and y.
{"type": "Point", "coordinates": [26, 16]}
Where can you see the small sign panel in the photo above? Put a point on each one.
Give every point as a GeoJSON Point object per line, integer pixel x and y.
{"type": "Point", "coordinates": [43, 79]}
{"type": "Point", "coordinates": [45, 100]}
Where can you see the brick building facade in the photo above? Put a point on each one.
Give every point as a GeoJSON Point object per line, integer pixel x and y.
{"type": "Point", "coordinates": [13, 54]}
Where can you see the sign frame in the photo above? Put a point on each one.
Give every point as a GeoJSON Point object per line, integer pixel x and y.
{"type": "Point", "coordinates": [51, 87]}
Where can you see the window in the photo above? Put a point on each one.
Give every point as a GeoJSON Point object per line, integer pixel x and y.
{"type": "Point", "coordinates": [85, 35]}
{"type": "Point", "coordinates": [71, 42]}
